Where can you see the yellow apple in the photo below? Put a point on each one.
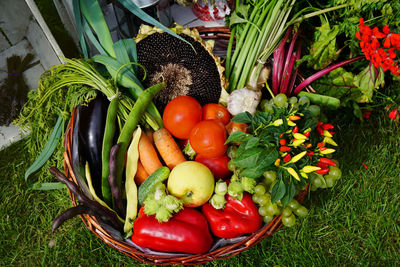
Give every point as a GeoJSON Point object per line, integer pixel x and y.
{"type": "Point", "coordinates": [192, 182]}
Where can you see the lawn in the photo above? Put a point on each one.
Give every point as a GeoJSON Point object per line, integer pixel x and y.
{"type": "Point", "coordinates": [354, 223]}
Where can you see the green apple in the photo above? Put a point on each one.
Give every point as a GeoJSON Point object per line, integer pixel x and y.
{"type": "Point", "coordinates": [192, 182]}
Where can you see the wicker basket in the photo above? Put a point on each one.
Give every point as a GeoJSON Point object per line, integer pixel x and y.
{"type": "Point", "coordinates": [126, 248]}
{"type": "Point", "coordinates": [221, 36]}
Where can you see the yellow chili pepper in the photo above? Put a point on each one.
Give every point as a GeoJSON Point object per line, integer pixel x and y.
{"type": "Point", "coordinates": [298, 142]}
{"type": "Point", "coordinates": [328, 151]}
{"type": "Point", "coordinates": [308, 145]}
{"type": "Point", "coordinates": [293, 173]}
{"type": "Point", "coordinates": [309, 168]}
{"type": "Point", "coordinates": [299, 136]}
{"type": "Point", "coordinates": [277, 162]}
{"type": "Point", "coordinates": [304, 175]}
{"type": "Point", "coordinates": [291, 123]}
{"type": "Point", "coordinates": [298, 156]}
{"type": "Point", "coordinates": [330, 141]}
{"type": "Point", "coordinates": [327, 133]}
{"type": "Point", "coordinates": [278, 122]}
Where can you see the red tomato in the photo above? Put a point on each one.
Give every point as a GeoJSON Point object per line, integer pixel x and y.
{"type": "Point", "coordinates": [207, 138]}
{"type": "Point", "coordinates": [181, 114]}
{"type": "Point", "coordinates": [214, 111]}
{"type": "Point", "coordinates": [218, 165]}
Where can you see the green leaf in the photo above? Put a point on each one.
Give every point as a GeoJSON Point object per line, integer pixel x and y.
{"type": "Point", "coordinates": [48, 149]}
{"type": "Point", "coordinates": [79, 28]}
{"type": "Point", "coordinates": [47, 186]}
{"type": "Point", "coordinates": [278, 191]}
{"type": "Point", "coordinates": [237, 136]}
{"type": "Point", "coordinates": [252, 172]}
{"type": "Point", "coordinates": [368, 80]}
{"type": "Point", "coordinates": [244, 117]}
{"type": "Point", "coordinates": [248, 158]}
{"type": "Point", "coordinates": [252, 142]}
{"type": "Point", "coordinates": [323, 51]}
{"type": "Point", "coordinates": [290, 191]}
{"type": "Point", "coordinates": [91, 10]}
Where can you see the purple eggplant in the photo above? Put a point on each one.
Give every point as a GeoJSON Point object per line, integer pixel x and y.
{"type": "Point", "coordinates": [91, 125]}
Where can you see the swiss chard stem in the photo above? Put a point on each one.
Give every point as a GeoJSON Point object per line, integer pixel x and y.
{"type": "Point", "coordinates": [316, 13]}
{"type": "Point", "coordinates": [317, 75]}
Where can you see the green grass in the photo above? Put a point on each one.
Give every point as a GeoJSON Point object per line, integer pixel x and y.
{"type": "Point", "coordinates": [355, 223]}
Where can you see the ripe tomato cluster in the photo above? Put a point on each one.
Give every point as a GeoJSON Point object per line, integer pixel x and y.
{"type": "Point", "coordinates": [204, 128]}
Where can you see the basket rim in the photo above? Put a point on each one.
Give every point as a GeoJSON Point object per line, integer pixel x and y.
{"type": "Point", "coordinates": [220, 253]}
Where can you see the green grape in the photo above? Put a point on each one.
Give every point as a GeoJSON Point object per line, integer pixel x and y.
{"type": "Point", "coordinates": [263, 200]}
{"type": "Point", "coordinates": [231, 151]}
{"type": "Point", "coordinates": [313, 187]}
{"type": "Point", "coordinates": [335, 172]}
{"type": "Point", "coordinates": [269, 176]}
{"type": "Point", "coordinates": [314, 109]}
{"type": "Point", "coordinates": [260, 189]}
{"type": "Point", "coordinates": [318, 182]}
{"type": "Point", "coordinates": [289, 221]}
{"type": "Point", "coordinates": [293, 204]}
{"type": "Point", "coordinates": [330, 180]}
{"type": "Point", "coordinates": [273, 209]}
{"type": "Point", "coordinates": [293, 100]}
{"type": "Point", "coordinates": [286, 212]}
{"type": "Point", "coordinates": [304, 101]}
{"type": "Point", "coordinates": [262, 210]}
{"type": "Point", "coordinates": [301, 211]}
{"type": "Point", "coordinates": [296, 106]}
{"type": "Point", "coordinates": [231, 166]}
{"type": "Point", "coordinates": [256, 198]}
{"type": "Point", "coordinates": [268, 218]}
{"type": "Point", "coordinates": [263, 104]}
{"type": "Point", "coordinates": [280, 100]}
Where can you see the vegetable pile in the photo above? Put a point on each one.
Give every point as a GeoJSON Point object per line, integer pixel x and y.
{"type": "Point", "coordinates": [182, 172]}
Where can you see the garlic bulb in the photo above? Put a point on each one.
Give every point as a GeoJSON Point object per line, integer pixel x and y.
{"type": "Point", "coordinates": [242, 100]}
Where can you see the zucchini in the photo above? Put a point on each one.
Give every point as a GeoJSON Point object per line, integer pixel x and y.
{"type": "Point", "coordinates": [148, 186]}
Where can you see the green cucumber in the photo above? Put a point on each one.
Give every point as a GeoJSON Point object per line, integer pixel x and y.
{"type": "Point", "coordinates": [148, 186]}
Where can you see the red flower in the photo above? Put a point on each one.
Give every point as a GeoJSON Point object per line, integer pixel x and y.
{"type": "Point", "coordinates": [370, 45]}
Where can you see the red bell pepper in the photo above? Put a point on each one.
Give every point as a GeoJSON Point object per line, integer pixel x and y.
{"type": "Point", "coordinates": [187, 231]}
{"type": "Point", "coordinates": [239, 217]}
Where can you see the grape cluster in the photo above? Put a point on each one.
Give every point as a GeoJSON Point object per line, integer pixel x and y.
{"type": "Point", "coordinates": [325, 181]}
{"type": "Point", "coordinates": [281, 101]}
{"type": "Point", "coordinates": [268, 210]}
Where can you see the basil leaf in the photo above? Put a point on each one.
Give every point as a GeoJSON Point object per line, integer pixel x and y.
{"type": "Point", "coordinates": [248, 158]}
{"type": "Point", "coordinates": [278, 191]}
{"type": "Point", "coordinates": [244, 117]}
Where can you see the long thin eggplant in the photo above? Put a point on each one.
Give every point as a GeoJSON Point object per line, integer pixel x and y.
{"type": "Point", "coordinates": [91, 131]}
{"type": "Point", "coordinates": [95, 208]}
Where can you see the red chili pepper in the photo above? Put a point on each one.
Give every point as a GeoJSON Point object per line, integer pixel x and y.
{"type": "Point", "coordinates": [320, 123]}
{"type": "Point", "coordinates": [321, 144]}
{"type": "Point", "coordinates": [281, 135]}
{"type": "Point", "coordinates": [187, 231]}
{"type": "Point", "coordinates": [365, 166]}
{"type": "Point", "coordinates": [327, 126]}
{"type": "Point", "coordinates": [332, 133]}
{"type": "Point", "coordinates": [284, 149]}
{"type": "Point", "coordinates": [320, 131]}
{"type": "Point", "coordinates": [307, 134]}
{"type": "Point", "coordinates": [322, 148]}
{"type": "Point", "coordinates": [393, 113]}
{"type": "Point", "coordinates": [282, 142]}
{"type": "Point", "coordinates": [310, 153]}
{"type": "Point", "coordinates": [287, 158]}
{"type": "Point", "coordinates": [327, 161]}
{"type": "Point", "coordinates": [239, 217]}
{"type": "Point", "coordinates": [323, 171]}
{"type": "Point", "coordinates": [295, 129]}
{"type": "Point", "coordinates": [322, 165]}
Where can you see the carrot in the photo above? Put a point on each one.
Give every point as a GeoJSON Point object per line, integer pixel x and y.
{"type": "Point", "coordinates": [148, 155]}
{"type": "Point", "coordinates": [150, 136]}
{"type": "Point", "coordinates": [168, 148]}
{"type": "Point", "coordinates": [141, 174]}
